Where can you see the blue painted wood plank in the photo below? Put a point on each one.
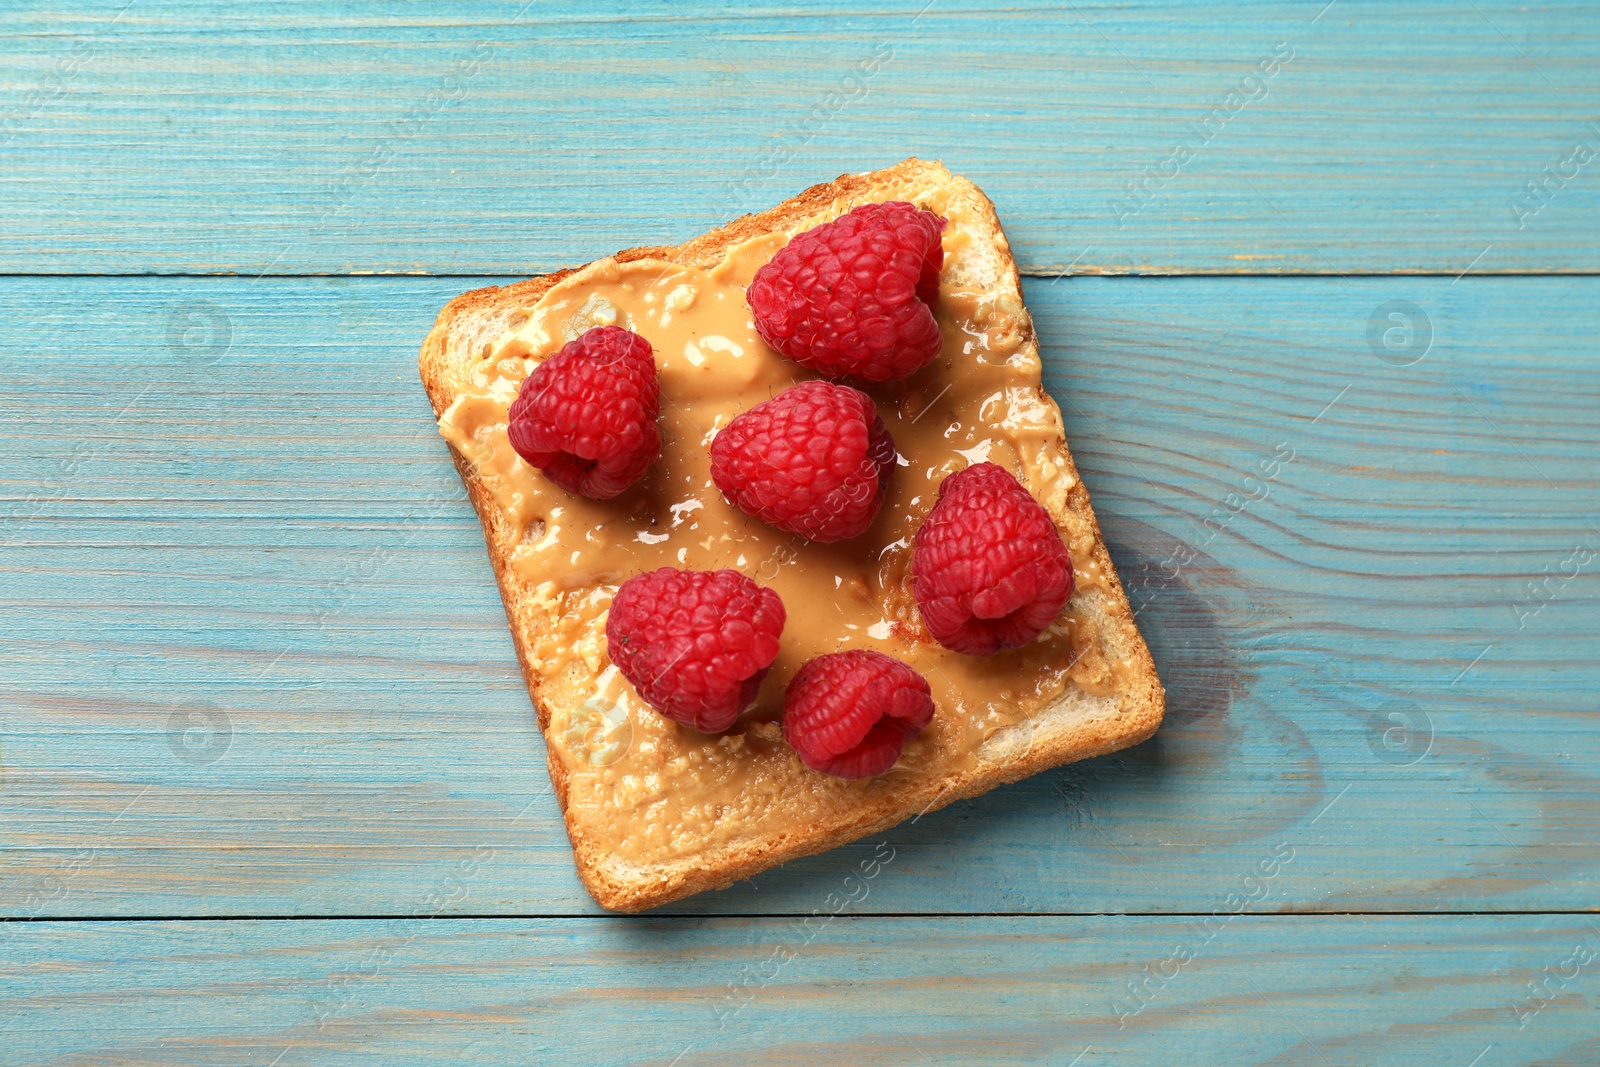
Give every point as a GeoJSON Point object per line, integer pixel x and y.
{"type": "Point", "coordinates": [255, 664]}
{"type": "Point", "coordinates": [497, 136]}
{"type": "Point", "coordinates": [1391, 991]}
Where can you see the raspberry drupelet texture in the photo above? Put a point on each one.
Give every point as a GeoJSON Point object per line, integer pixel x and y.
{"type": "Point", "coordinates": [695, 644]}
{"type": "Point", "coordinates": [815, 460]}
{"type": "Point", "coordinates": [990, 571]}
{"type": "Point", "coordinates": [855, 296]}
{"type": "Point", "coordinates": [850, 713]}
{"type": "Point", "coordinates": [586, 416]}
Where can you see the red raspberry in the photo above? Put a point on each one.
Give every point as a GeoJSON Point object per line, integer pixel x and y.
{"type": "Point", "coordinates": [855, 296]}
{"type": "Point", "coordinates": [850, 713]}
{"type": "Point", "coordinates": [587, 415]}
{"type": "Point", "coordinates": [991, 571]}
{"type": "Point", "coordinates": [814, 460]}
{"type": "Point", "coordinates": [695, 644]}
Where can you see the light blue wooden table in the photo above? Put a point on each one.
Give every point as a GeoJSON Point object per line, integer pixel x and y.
{"type": "Point", "coordinates": [270, 787]}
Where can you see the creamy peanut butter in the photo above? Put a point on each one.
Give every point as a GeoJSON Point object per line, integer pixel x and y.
{"type": "Point", "coordinates": [656, 789]}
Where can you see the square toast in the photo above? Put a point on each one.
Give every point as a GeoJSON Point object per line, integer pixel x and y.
{"type": "Point", "coordinates": [655, 811]}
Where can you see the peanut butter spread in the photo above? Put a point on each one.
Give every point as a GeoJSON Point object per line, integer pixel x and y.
{"type": "Point", "coordinates": [647, 789]}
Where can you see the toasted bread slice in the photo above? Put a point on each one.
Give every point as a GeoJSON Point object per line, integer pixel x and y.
{"type": "Point", "coordinates": [642, 836]}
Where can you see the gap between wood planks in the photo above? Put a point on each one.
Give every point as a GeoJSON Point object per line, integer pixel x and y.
{"type": "Point", "coordinates": [566, 917]}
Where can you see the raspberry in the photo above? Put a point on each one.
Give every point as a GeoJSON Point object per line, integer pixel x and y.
{"type": "Point", "coordinates": [990, 570]}
{"type": "Point", "coordinates": [587, 415]}
{"type": "Point", "coordinates": [695, 644]}
{"type": "Point", "coordinates": [855, 296]}
{"type": "Point", "coordinates": [814, 460]}
{"type": "Point", "coordinates": [850, 713]}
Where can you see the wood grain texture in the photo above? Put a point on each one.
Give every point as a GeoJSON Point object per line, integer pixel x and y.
{"type": "Point", "coordinates": [255, 663]}
{"type": "Point", "coordinates": [1392, 991]}
{"type": "Point", "coordinates": [499, 136]}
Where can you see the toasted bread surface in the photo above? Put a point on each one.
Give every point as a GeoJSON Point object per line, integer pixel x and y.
{"type": "Point", "coordinates": [1124, 707]}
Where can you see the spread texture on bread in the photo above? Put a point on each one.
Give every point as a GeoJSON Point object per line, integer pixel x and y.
{"type": "Point", "coordinates": [656, 810]}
